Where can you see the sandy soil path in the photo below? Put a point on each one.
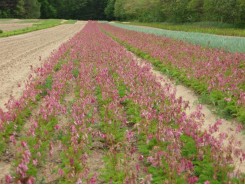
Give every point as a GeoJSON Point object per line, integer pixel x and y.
{"type": "Point", "coordinates": [228, 127]}
{"type": "Point", "coordinates": [18, 53]}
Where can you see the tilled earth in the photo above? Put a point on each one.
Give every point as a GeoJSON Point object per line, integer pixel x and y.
{"type": "Point", "coordinates": [14, 26]}
{"type": "Point", "coordinates": [18, 53]}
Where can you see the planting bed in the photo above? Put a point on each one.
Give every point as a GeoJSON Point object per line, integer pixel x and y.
{"type": "Point", "coordinates": [92, 114]}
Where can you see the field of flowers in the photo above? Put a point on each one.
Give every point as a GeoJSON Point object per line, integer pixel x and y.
{"type": "Point", "coordinates": [90, 114]}
{"type": "Point", "coordinates": [218, 76]}
{"type": "Point", "coordinates": [233, 44]}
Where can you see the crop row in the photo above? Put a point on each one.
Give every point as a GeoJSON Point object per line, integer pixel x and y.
{"type": "Point", "coordinates": [214, 28]}
{"type": "Point", "coordinates": [216, 75]}
{"type": "Point", "coordinates": [228, 43]}
{"type": "Point", "coordinates": [96, 116]}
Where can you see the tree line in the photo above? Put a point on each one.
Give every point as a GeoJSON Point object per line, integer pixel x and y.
{"type": "Point", "coordinates": [227, 11]}
{"type": "Point", "coordinates": [179, 11]}
{"type": "Point", "coordinates": [63, 9]}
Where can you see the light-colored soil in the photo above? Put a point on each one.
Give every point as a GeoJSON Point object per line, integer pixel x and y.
{"type": "Point", "coordinates": [12, 21]}
{"type": "Point", "coordinates": [18, 53]}
{"type": "Point", "coordinates": [228, 127]}
{"type": "Point", "coordinates": [14, 26]}
{"type": "Point", "coordinates": [9, 21]}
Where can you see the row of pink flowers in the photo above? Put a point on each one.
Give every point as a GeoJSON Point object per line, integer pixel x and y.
{"type": "Point", "coordinates": [104, 66]}
{"type": "Point", "coordinates": [218, 69]}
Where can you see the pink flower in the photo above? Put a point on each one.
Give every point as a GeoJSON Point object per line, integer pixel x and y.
{"type": "Point", "coordinates": [12, 139]}
{"type": "Point", "coordinates": [93, 180]}
{"type": "Point", "coordinates": [239, 128]}
{"type": "Point", "coordinates": [192, 180]}
{"type": "Point", "coordinates": [35, 162]}
{"type": "Point", "coordinates": [31, 180]}
{"type": "Point", "coordinates": [141, 157]}
{"type": "Point", "coordinates": [129, 135]}
{"type": "Point", "coordinates": [57, 127]}
{"type": "Point", "coordinates": [8, 179]}
{"type": "Point", "coordinates": [228, 99]}
{"type": "Point", "coordinates": [24, 144]}
{"type": "Point", "coordinates": [79, 181]}
{"type": "Point", "coordinates": [60, 172]}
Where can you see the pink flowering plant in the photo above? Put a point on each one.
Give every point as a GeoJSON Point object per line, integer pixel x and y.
{"type": "Point", "coordinates": [218, 76]}
{"type": "Point", "coordinates": [100, 117]}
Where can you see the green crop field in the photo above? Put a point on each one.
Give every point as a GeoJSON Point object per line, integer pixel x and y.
{"type": "Point", "coordinates": [228, 43]}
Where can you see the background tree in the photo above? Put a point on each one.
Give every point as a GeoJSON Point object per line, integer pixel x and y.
{"type": "Point", "coordinates": [109, 9]}
{"type": "Point", "coordinates": [20, 9]}
{"type": "Point", "coordinates": [7, 8]}
{"type": "Point", "coordinates": [195, 8]}
{"type": "Point", "coordinates": [221, 10]}
{"type": "Point", "coordinates": [176, 11]}
{"type": "Point", "coordinates": [32, 9]}
{"type": "Point", "coordinates": [119, 11]}
{"type": "Point", "coordinates": [241, 5]}
{"type": "Point", "coordinates": [47, 9]}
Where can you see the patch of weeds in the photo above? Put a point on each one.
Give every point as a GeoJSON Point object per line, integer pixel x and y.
{"type": "Point", "coordinates": [158, 175]}
{"type": "Point", "coordinates": [32, 170]}
{"type": "Point", "coordinates": [2, 145]}
{"type": "Point", "coordinates": [113, 129]}
{"type": "Point", "coordinates": [46, 86]}
{"type": "Point", "coordinates": [112, 172]}
{"type": "Point", "coordinates": [143, 147]}
{"type": "Point", "coordinates": [189, 149]}
{"type": "Point", "coordinates": [204, 169]}
{"type": "Point", "coordinates": [77, 91]}
{"type": "Point", "coordinates": [70, 163]}
{"type": "Point", "coordinates": [58, 66]}
{"type": "Point", "coordinates": [75, 73]}
{"type": "Point", "coordinates": [122, 88]}
{"type": "Point", "coordinates": [132, 111]}
{"type": "Point", "coordinates": [42, 138]}
{"type": "Point", "coordinates": [14, 126]}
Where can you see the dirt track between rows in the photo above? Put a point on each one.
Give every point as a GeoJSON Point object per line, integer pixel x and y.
{"type": "Point", "coordinates": [18, 53]}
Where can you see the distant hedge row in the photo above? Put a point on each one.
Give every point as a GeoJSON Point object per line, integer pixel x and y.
{"type": "Point", "coordinates": [227, 11]}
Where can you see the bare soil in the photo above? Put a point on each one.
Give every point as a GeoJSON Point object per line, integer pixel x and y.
{"type": "Point", "coordinates": [14, 26]}
{"type": "Point", "coordinates": [18, 53]}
